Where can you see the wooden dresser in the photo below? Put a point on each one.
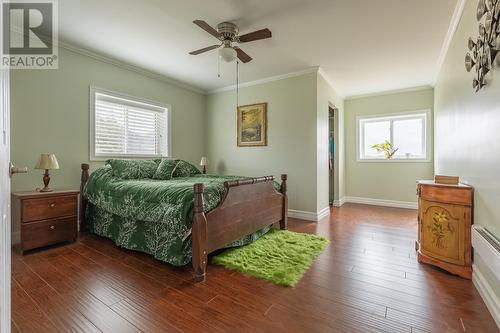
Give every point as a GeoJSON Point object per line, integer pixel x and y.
{"type": "Point", "coordinates": [444, 226]}
{"type": "Point", "coordinates": [43, 219]}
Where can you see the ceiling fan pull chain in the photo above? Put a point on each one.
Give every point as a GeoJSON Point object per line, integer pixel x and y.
{"type": "Point", "coordinates": [237, 83]}
{"type": "Point", "coordinates": [218, 66]}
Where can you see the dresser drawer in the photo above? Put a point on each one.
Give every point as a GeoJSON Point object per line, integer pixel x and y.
{"type": "Point", "coordinates": [43, 233]}
{"type": "Point", "coordinates": [48, 208]}
{"type": "Point", "coordinates": [457, 196]}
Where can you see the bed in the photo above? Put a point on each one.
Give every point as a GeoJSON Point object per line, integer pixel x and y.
{"type": "Point", "coordinates": [182, 219]}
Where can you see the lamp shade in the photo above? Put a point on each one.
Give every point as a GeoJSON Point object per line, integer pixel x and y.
{"type": "Point", "coordinates": [204, 161]}
{"type": "Point", "coordinates": [47, 162]}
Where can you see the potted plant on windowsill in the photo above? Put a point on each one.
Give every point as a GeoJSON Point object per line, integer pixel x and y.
{"type": "Point", "coordinates": [386, 147]}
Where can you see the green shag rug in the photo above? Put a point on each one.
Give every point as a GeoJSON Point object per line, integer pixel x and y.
{"type": "Point", "coordinates": [280, 256]}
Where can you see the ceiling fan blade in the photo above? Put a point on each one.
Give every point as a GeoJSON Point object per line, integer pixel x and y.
{"type": "Point", "coordinates": [204, 49]}
{"type": "Point", "coordinates": [242, 55]}
{"type": "Point", "coordinates": [256, 35]}
{"type": "Point", "coordinates": [205, 26]}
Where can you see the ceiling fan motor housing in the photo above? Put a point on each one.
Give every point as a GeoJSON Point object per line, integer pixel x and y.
{"type": "Point", "coordinates": [228, 31]}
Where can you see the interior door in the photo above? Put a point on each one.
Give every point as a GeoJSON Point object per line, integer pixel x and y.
{"type": "Point", "coordinates": [4, 202]}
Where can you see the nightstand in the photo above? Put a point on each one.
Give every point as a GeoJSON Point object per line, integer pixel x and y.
{"type": "Point", "coordinates": [444, 220]}
{"type": "Point", "coordinates": [44, 218]}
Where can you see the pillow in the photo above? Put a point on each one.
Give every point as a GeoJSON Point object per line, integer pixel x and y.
{"type": "Point", "coordinates": [165, 169]}
{"type": "Point", "coordinates": [133, 169]}
{"type": "Point", "coordinates": [185, 169]}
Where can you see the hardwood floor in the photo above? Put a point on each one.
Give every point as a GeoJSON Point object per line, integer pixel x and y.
{"type": "Point", "coordinates": [367, 280]}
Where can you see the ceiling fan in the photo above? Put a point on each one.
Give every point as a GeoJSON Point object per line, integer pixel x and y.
{"type": "Point", "coordinates": [227, 33]}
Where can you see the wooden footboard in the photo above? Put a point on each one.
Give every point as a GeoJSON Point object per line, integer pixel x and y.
{"type": "Point", "coordinates": [248, 205]}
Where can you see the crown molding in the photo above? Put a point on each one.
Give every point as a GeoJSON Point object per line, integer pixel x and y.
{"type": "Point", "coordinates": [127, 66]}
{"type": "Point", "coordinates": [455, 20]}
{"type": "Point", "coordinates": [390, 92]}
{"type": "Point", "coordinates": [330, 82]}
{"type": "Point", "coordinates": [266, 80]}
{"type": "Point", "coordinates": [164, 78]}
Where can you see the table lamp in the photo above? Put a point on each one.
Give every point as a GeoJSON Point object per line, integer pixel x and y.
{"type": "Point", "coordinates": [204, 163]}
{"type": "Point", "coordinates": [47, 162]}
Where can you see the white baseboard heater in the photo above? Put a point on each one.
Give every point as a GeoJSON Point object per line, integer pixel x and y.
{"type": "Point", "coordinates": [488, 248]}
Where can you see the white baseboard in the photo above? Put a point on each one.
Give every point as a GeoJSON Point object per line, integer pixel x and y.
{"type": "Point", "coordinates": [382, 202]}
{"type": "Point", "coordinates": [338, 203]}
{"type": "Point", "coordinates": [325, 212]}
{"type": "Point", "coordinates": [309, 216]}
{"type": "Point", "coordinates": [487, 293]}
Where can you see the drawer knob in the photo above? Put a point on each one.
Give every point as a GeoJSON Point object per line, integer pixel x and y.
{"type": "Point", "coordinates": [52, 205]}
{"type": "Point", "coordinates": [52, 227]}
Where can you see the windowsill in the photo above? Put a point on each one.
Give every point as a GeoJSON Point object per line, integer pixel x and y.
{"type": "Point", "coordinates": [400, 160]}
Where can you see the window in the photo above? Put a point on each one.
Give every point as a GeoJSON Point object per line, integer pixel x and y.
{"type": "Point", "coordinates": [123, 126]}
{"type": "Point", "coordinates": [407, 132]}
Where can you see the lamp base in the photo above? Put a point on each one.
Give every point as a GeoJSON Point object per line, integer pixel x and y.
{"type": "Point", "coordinates": [46, 181]}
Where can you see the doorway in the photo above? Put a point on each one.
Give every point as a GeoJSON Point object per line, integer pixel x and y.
{"type": "Point", "coordinates": [333, 155]}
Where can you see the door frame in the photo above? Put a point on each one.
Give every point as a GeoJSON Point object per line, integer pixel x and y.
{"type": "Point", "coordinates": [337, 202]}
{"type": "Point", "coordinates": [5, 224]}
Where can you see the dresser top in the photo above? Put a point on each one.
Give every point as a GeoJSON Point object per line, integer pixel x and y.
{"type": "Point", "coordinates": [37, 194]}
{"type": "Point", "coordinates": [433, 183]}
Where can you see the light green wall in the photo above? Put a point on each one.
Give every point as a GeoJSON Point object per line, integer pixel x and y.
{"type": "Point", "coordinates": [297, 137]}
{"type": "Point", "coordinates": [384, 180]}
{"type": "Point", "coordinates": [291, 132]}
{"type": "Point", "coordinates": [467, 125]}
{"type": "Point", "coordinates": [467, 141]}
{"type": "Point", "coordinates": [55, 118]}
{"type": "Point", "coordinates": [327, 96]}
{"type": "Point", "coordinates": [50, 113]}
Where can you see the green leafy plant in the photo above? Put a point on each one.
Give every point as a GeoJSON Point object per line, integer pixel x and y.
{"type": "Point", "coordinates": [387, 148]}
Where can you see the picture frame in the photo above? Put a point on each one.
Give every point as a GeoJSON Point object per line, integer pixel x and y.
{"type": "Point", "coordinates": [252, 125]}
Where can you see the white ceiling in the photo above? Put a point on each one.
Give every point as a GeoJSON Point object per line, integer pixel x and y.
{"type": "Point", "coordinates": [363, 46]}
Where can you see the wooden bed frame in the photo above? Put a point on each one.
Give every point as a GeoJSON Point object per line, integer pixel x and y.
{"type": "Point", "coordinates": [247, 206]}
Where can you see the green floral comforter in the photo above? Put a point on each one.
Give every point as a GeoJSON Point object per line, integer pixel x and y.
{"type": "Point", "coordinates": [152, 216]}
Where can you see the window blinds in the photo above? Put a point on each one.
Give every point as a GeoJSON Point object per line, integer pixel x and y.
{"type": "Point", "coordinates": [129, 128]}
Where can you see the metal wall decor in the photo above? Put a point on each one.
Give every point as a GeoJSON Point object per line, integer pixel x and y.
{"type": "Point", "coordinates": [486, 46]}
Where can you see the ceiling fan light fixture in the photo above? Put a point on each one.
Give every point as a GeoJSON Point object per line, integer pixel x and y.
{"type": "Point", "coordinates": [227, 53]}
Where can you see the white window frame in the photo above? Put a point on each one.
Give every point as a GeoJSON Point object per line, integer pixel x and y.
{"type": "Point", "coordinates": [426, 136]}
{"type": "Point", "coordinates": [168, 109]}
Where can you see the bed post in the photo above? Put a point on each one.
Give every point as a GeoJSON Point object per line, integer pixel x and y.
{"type": "Point", "coordinates": [83, 201]}
{"type": "Point", "coordinates": [284, 213]}
{"type": "Point", "coordinates": [199, 235]}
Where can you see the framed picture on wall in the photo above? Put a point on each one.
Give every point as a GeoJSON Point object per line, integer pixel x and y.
{"type": "Point", "coordinates": [252, 125]}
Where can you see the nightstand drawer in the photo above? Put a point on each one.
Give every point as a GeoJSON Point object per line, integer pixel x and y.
{"type": "Point", "coordinates": [48, 208]}
{"type": "Point", "coordinates": [43, 233]}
